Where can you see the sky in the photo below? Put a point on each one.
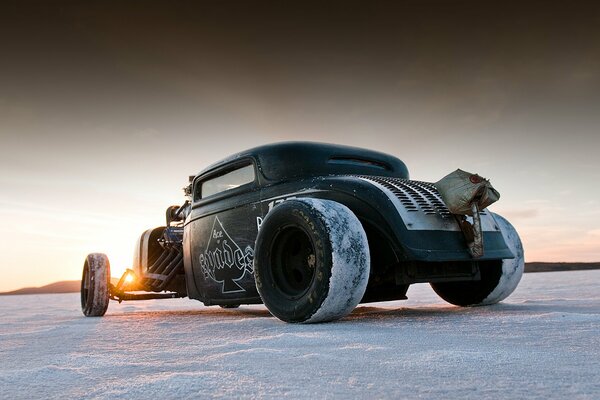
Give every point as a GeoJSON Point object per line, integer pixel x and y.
{"type": "Point", "coordinates": [106, 107]}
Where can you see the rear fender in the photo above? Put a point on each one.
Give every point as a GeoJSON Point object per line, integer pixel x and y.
{"type": "Point", "coordinates": [421, 225]}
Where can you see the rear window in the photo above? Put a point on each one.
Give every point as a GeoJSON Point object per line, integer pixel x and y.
{"type": "Point", "coordinates": [227, 181]}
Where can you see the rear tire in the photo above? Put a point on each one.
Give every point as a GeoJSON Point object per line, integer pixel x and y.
{"type": "Point", "coordinates": [498, 278]}
{"type": "Point", "coordinates": [312, 261]}
{"type": "Point", "coordinates": [95, 285]}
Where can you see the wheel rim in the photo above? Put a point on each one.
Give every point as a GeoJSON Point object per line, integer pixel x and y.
{"type": "Point", "coordinates": [293, 260]}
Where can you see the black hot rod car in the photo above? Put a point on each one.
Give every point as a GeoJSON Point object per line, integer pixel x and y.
{"type": "Point", "coordinates": [311, 230]}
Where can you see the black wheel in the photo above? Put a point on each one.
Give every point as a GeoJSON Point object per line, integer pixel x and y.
{"type": "Point", "coordinates": [498, 278]}
{"type": "Point", "coordinates": [471, 292]}
{"type": "Point", "coordinates": [95, 285]}
{"type": "Point", "coordinates": [312, 261]}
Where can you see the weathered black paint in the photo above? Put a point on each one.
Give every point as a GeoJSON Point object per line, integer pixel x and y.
{"type": "Point", "coordinates": [221, 229]}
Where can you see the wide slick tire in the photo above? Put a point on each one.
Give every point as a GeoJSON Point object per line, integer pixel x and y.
{"type": "Point", "coordinates": [95, 283]}
{"type": "Point", "coordinates": [312, 261]}
{"type": "Point", "coordinates": [498, 279]}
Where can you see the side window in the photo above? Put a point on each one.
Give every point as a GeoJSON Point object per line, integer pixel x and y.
{"type": "Point", "coordinates": [227, 181]}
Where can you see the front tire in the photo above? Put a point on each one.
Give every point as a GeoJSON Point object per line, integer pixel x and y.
{"type": "Point", "coordinates": [498, 278]}
{"type": "Point", "coordinates": [95, 283]}
{"type": "Point", "coordinates": [312, 261]}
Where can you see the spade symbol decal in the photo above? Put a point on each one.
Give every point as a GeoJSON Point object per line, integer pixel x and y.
{"type": "Point", "coordinates": [224, 261]}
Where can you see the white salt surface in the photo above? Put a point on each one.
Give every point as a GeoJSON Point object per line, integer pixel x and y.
{"type": "Point", "coordinates": [542, 342]}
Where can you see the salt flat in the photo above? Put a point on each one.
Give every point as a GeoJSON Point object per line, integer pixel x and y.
{"type": "Point", "coordinates": [542, 342]}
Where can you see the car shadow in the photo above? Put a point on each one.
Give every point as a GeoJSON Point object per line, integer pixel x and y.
{"type": "Point", "coordinates": [366, 312]}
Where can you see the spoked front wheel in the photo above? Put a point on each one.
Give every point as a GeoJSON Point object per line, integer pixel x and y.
{"type": "Point", "coordinates": [95, 283]}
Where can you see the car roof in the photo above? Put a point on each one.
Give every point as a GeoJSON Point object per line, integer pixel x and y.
{"type": "Point", "coordinates": [292, 160]}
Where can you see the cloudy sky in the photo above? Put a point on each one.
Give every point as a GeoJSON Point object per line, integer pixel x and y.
{"type": "Point", "coordinates": [107, 107]}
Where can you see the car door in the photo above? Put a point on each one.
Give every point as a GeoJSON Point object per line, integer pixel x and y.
{"type": "Point", "coordinates": [222, 231]}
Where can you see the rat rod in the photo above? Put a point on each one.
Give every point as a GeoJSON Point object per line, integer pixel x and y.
{"type": "Point", "coordinates": [311, 230]}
